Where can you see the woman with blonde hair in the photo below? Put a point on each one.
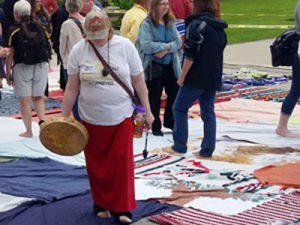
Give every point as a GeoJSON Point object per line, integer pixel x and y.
{"type": "Point", "coordinates": [158, 44]}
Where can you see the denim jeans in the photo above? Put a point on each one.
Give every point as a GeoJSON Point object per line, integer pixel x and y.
{"type": "Point", "coordinates": [75, 106]}
{"type": "Point", "coordinates": [185, 99]}
{"type": "Point", "coordinates": [294, 93]}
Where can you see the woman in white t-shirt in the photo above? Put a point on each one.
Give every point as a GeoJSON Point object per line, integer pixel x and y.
{"type": "Point", "coordinates": [106, 111]}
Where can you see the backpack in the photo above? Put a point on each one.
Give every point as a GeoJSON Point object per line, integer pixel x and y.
{"type": "Point", "coordinates": [34, 43]}
{"type": "Point", "coordinates": [284, 47]}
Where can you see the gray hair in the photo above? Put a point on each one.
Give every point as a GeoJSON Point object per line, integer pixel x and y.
{"type": "Point", "coordinates": [74, 5]}
{"type": "Point", "coordinates": [22, 8]}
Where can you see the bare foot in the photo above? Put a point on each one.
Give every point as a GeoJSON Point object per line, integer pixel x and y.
{"type": "Point", "coordinates": [170, 150]}
{"type": "Point", "coordinates": [286, 133]}
{"type": "Point", "coordinates": [26, 134]}
{"type": "Point", "coordinates": [125, 219]}
{"type": "Point", "coordinates": [104, 214]}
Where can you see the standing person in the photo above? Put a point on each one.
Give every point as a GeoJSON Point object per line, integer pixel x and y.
{"type": "Point", "coordinates": [218, 11]}
{"type": "Point", "coordinates": [30, 66]}
{"type": "Point", "coordinates": [8, 20]}
{"type": "Point", "coordinates": [181, 8]}
{"type": "Point", "coordinates": [294, 93]}
{"type": "Point", "coordinates": [71, 33]}
{"type": "Point", "coordinates": [158, 44]}
{"type": "Point", "coordinates": [60, 16]}
{"type": "Point", "coordinates": [201, 75]}
{"type": "Point", "coordinates": [133, 19]}
{"type": "Point", "coordinates": [106, 111]}
{"type": "Point", "coordinates": [40, 15]}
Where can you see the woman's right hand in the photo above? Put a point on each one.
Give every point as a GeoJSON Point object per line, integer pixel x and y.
{"type": "Point", "coordinates": [9, 79]}
{"type": "Point", "coordinates": [161, 54]}
{"type": "Point", "coordinates": [4, 52]}
{"type": "Point", "coordinates": [149, 118]}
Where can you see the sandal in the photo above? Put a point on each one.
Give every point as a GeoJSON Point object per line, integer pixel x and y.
{"type": "Point", "coordinates": [123, 217]}
{"type": "Point", "coordinates": [101, 212]}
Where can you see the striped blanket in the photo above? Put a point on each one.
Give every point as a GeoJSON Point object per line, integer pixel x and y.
{"type": "Point", "coordinates": [285, 208]}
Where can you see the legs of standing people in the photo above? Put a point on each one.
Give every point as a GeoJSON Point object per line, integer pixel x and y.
{"type": "Point", "coordinates": [110, 167]}
{"type": "Point", "coordinates": [208, 117]}
{"type": "Point", "coordinates": [155, 87]}
{"type": "Point", "coordinates": [39, 106]}
{"type": "Point", "coordinates": [184, 100]}
{"type": "Point", "coordinates": [171, 88]}
{"type": "Point", "coordinates": [26, 115]}
{"type": "Point", "coordinates": [290, 102]}
{"type": "Point", "coordinates": [30, 80]}
{"type": "Point", "coordinates": [62, 82]}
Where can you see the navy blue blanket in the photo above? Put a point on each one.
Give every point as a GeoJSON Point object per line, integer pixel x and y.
{"type": "Point", "coordinates": [76, 210]}
{"type": "Point", "coordinates": [42, 179]}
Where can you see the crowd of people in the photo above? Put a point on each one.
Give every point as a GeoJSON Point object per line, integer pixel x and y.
{"type": "Point", "coordinates": [175, 46]}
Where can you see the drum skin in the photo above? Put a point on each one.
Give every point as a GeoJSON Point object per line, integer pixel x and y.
{"type": "Point", "coordinates": [63, 136]}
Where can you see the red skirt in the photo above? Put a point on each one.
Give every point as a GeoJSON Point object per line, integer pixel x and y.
{"type": "Point", "coordinates": [110, 165]}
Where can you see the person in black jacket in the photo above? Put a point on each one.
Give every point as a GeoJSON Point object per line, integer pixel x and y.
{"type": "Point", "coordinates": [201, 75]}
{"type": "Point", "coordinates": [8, 20]}
{"type": "Point", "coordinates": [58, 18]}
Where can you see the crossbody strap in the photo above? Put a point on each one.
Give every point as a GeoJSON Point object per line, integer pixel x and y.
{"type": "Point", "coordinates": [111, 72]}
{"type": "Point", "coordinates": [78, 23]}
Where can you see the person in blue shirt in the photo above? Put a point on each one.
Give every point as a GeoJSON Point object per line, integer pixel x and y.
{"type": "Point", "coordinates": [158, 44]}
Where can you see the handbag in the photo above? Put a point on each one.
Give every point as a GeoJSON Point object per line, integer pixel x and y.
{"type": "Point", "coordinates": [134, 98]}
{"type": "Point", "coordinates": [154, 70]}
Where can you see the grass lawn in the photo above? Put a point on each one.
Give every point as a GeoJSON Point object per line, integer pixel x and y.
{"type": "Point", "coordinates": [256, 12]}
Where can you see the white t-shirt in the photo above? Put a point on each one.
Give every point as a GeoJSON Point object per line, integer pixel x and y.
{"type": "Point", "coordinates": [102, 101]}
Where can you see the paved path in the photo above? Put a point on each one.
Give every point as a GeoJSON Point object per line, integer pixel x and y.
{"type": "Point", "coordinates": [252, 53]}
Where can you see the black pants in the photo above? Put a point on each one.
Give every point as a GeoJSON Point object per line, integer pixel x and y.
{"type": "Point", "coordinates": [167, 81]}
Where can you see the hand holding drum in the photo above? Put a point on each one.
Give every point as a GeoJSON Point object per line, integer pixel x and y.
{"type": "Point", "coordinates": [63, 136]}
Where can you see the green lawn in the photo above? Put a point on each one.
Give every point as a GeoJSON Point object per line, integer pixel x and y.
{"type": "Point", "coordinates": [256, 12]}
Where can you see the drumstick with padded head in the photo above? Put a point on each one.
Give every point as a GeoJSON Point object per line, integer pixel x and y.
{"type": "Point", "coordinates": [145, 151]}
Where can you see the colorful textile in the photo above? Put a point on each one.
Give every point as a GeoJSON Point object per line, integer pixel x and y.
{"type": "Point", "coordinates": [153, 162]}
{"type": "Point", "coordinates": [284, 208]}
{"type": "Point", "coordinates": [286, 175]}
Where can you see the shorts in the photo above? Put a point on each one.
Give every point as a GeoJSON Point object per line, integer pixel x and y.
{"type": "Point", "coordinates": [30, 80]}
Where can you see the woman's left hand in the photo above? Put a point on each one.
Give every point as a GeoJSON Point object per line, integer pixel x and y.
{"type": "Point", "coordinates": [180, 81]}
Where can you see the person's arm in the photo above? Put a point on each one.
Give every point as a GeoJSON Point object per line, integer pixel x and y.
{"type": "Point", "coordinates": [4, 52]}
{"type": "Point", "coordinates": [175, 45]}
{"type": "Point", "coordinates": [145, 40]}
{"type": "Point", "coordinates": [187, 64]}
{"type": "Point", "coordinates": [70, 95]}
{"type": "Point", "coordinates": [63, 39]}
{"type": "Point", "coordinates": [9, 63]}
{"type": "Point", "coordinates": [139, 85]}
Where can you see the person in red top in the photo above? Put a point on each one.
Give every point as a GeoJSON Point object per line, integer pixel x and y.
{"type": "Point", "coordinates": [218, 13]}
{"type": "Point", "coordinates": [181, 8]}
{"type": "Point", "coordinates": [50, 5]}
